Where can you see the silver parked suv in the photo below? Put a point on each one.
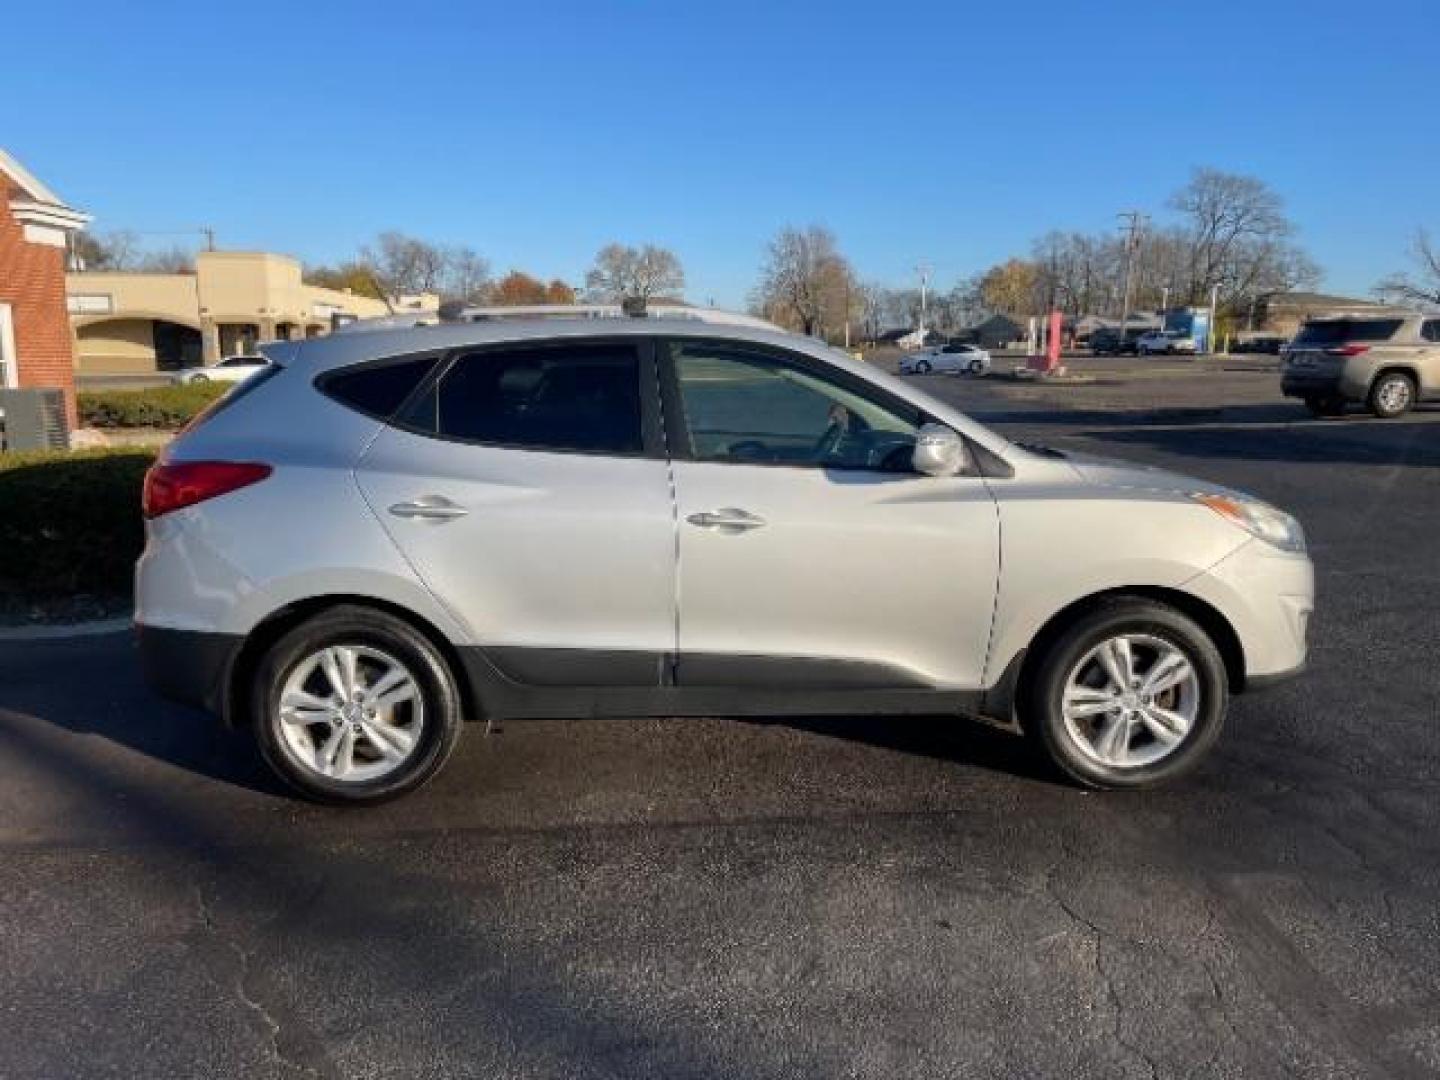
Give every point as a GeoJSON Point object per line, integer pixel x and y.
{"type": "Point", "coordinates": [387, 532]}
{"type": "Point", "coordinates": [1388, 360]}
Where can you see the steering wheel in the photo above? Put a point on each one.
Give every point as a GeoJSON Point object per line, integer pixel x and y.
{"type": "Point", "coordinates": [833, 436]}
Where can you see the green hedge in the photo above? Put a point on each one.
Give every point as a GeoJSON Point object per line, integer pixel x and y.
{"type": "Point", "coordinates": [158, 407]}
{"type": "Point", "coordinates": [70, 522]}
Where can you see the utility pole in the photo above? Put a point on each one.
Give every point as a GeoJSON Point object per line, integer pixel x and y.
{"type": "Point", "coordinates": [1134, 226]}
{"type": "Point", "coordinates": [209, 237]}
{"type": "Point", "coordinates": [923, 269]}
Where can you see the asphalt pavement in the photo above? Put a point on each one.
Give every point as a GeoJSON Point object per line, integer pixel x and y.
{"type": "Point", "coordinates": [713, 898]}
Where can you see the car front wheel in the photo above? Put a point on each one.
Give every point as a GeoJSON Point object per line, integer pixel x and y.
{"type": "Point", "coordinates": [355, 706]}
{"type": "Point", "coordinates": [1131, 695]}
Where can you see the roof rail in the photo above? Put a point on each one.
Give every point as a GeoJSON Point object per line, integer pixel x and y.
{"type": "Point", "coordinates": [450, 314]}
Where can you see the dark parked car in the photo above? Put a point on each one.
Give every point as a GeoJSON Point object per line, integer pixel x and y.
{"type": "Point", "coordinates": [1109, 342]}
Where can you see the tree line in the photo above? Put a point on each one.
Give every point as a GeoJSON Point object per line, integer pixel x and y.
{"type": "Point", "coordinates": [1221, 233]}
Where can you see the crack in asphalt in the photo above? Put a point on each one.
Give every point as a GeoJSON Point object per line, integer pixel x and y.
{"type": "Point", "coordinates": [1099, 936]}
{"type": "Point", "coordinates": [252, 1001]}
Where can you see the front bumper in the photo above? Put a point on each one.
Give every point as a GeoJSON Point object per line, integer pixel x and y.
{"type": "Point", "coordinates": [188, 666]}
{"type": "Point", "coordinates": [1267, 595]}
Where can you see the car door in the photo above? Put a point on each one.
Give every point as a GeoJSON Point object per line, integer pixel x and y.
{"type": "Point", "coordinates": [528, 487]}
{"type": "Point", "coordinates": [810, 554]}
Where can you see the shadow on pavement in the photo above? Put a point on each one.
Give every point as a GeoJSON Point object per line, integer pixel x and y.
{"type": "Point", "coordinates": [90, 687]}
{"type": "Point", "coordinates": [1258, 413]}
{"type": "Point", "coordinates": [945, 738]}
{"type": "Point", "coordinates": [1360, 442]}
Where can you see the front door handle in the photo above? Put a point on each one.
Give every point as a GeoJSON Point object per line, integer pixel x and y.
{"type": "Point", "coordinates": [728, 519]}
{"type": "Point", "coordinates": [429, 508]}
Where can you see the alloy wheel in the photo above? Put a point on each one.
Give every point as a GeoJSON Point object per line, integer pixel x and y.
{"type": "Point", "coordinates": [350, 713]}
{"type": "Point", "coordinates": [1131, 700]}
{"type": "Point", "coordinates": [1394, 395]}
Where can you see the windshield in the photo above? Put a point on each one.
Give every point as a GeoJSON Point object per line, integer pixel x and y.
{"type": "Point", "coordinates": [1339, 331]}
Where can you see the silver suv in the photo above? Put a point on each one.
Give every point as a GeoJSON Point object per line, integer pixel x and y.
{"type": "Point", "coordinates": [1389, 361]}
{"type": "Point", "coordinates": [387, 532]}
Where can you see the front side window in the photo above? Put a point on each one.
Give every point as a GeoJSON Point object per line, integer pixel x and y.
{"type": "Point", "coordinates": [1430, 331]}
{"type": "Point", "coordinates": [580, 397]}
{"type": "Point", "coordinates": [751, 407]}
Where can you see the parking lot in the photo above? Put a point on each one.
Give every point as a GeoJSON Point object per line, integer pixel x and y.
{"type": "Point", "coordinates": [696, 898]}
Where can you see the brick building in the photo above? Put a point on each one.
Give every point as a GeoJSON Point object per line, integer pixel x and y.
{"type": "Point", "coordinates": [37, 345]}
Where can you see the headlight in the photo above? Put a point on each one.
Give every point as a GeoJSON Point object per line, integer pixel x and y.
{"type": "Point", "coordinates": [1259, 520]}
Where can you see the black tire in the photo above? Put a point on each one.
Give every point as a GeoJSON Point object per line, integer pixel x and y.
{"type": "Point", "coordinates": [369, 628]}
{"type": "Point", "coordinates": [922, 367]}
{"type": "Point", "coordinates": [1391, 395]}
{"type": "Point", "coordinates": [1325, 406]}
{"type": "Point", "coordinates": [1041, 696]}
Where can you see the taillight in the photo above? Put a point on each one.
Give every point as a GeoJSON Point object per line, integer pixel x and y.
{"type": "Point", "coordinates": [1347, 350]}
{"type": "Point", "coordinates": [173, 485]}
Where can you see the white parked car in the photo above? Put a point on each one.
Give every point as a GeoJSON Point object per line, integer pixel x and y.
{"type": "Point", "coordinates": [230, 369]}
{"type": "Point", "coordinates": [957, 359]}
{"type": "Point", "coordinates": [386, 533]}
{"type": "Point", "coordinates": [1165, 342]}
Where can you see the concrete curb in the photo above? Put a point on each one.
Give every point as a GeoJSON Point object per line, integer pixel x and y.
{"type": "Point", "coordinates": [62, 631]}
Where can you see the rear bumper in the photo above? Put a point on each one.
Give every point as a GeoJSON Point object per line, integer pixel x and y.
{"type": "Point", "coordinates": [1303, 384]}
{"type": "Point", "coordinates": [188, 666]}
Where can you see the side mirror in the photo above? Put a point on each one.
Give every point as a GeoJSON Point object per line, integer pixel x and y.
{"type": "Point", "coordinates": [938, 451]}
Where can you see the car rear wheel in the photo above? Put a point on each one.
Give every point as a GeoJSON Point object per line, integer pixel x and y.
{"type": "Point", "coordinates": [355, 706]}
{"type": "Point", "coordinates": [1392, 395]}
{"type": "Point", "coordinates": [1130, 695]}
{"type": "Point", "coordinates": [922, 367]}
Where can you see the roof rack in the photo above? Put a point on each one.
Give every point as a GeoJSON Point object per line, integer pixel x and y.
{"type": "Point", "coordinates": [450, 314]}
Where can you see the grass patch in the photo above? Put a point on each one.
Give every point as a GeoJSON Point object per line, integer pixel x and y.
{"type": "Point", "coordinates": [70, 523]}
{"type": "Point", "coordinates": [154, 407]}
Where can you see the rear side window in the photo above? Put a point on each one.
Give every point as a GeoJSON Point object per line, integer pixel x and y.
{"type": "Point", "coordinates": [378, 389]}
{"type": "Point", "coordinates": [1339, 331]}
{"type": "Point", "coordinates": [577, 397]}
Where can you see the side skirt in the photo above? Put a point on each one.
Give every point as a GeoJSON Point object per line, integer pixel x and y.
{"type": "Point", "coordinates": [572, 684]}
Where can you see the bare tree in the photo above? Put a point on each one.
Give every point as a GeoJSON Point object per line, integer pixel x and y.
{"type": "Point", "coordinates": [404, 264]}
{"type": "Point", "coordinates": [466, 275]}
{"type": "Point", "coordinates": [1238, 239]}
{"type": "Point", "coordinates": [806, 283]}
{"type": "Point", "coordinates": [1420, 286]}
{"type": "Point", "coordinates": [118, 250]}
{"type": "Point", "coordinates": [621, 273]}
{"type": "Point", "coordinates": [175, 260]}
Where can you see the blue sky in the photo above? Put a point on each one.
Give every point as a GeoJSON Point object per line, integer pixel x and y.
{"type": "Point", "coordinates": [949, 132]}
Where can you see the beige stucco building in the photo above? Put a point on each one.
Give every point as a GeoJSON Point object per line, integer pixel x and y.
{"type": "Point", "coordinates": [136, 323]}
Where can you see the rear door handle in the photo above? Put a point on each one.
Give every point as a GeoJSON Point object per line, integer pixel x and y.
{"type": "Point", "coordinates": [429, 508]}
{"type": "Point", "coordinates": [728, 519]}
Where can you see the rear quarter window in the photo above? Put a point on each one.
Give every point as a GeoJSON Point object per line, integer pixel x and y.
{"type": "Point", "coordinates": [378, 389]}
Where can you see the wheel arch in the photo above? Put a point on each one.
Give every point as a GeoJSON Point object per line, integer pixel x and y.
{"type": "Point", "coordinates": [236, 699]}
{"type": "Point", "coordinates": [1020, 667]}
{"type": "Point", "coordinates": [1395, 367]}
